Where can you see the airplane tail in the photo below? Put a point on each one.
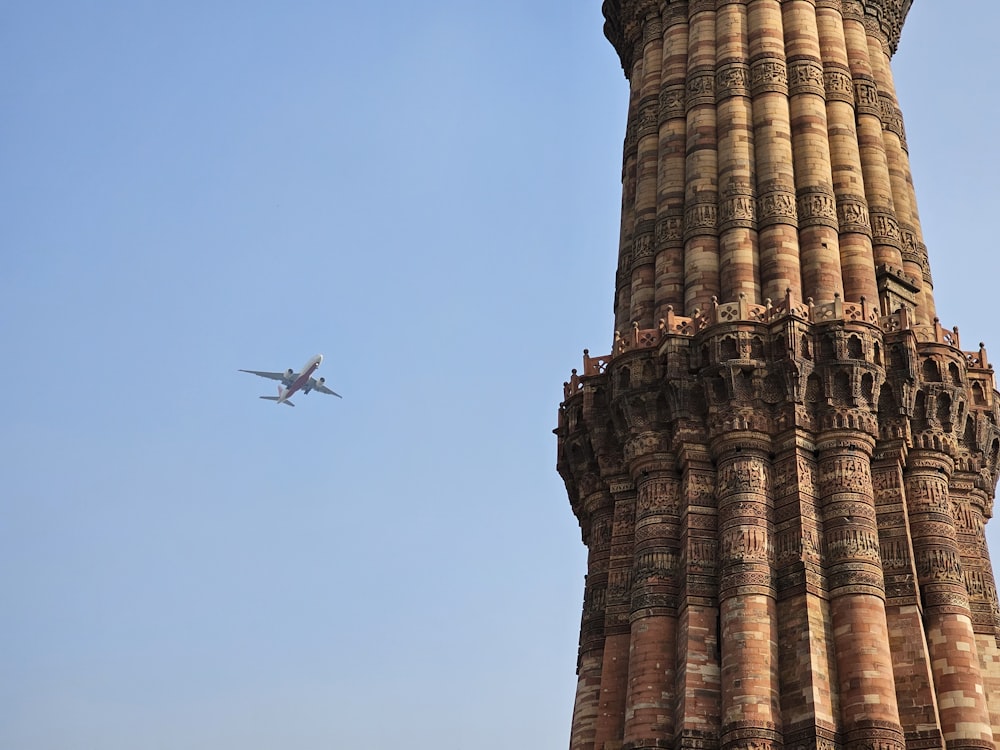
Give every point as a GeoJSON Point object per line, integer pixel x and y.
{"type": "Point", "coordinates": [277, 398]}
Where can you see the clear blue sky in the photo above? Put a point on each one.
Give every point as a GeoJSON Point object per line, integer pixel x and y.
{"type": "Point", "coordinates": [428, 195]}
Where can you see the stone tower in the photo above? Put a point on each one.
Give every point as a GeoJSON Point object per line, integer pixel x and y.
{"type": "Point", "coordinates": [783, 469]}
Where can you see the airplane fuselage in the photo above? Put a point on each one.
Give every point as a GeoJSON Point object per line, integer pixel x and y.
{"type": "Point", "coordinates": [301, 379]}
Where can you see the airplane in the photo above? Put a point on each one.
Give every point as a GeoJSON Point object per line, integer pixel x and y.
{"type": "Point", "coordinates": [294, 381]}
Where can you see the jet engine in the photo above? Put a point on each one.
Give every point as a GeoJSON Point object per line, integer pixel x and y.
{"type": "Point", "coordinates": [320, 381]}
{"type": "Point", "coordinates": [289, 372]}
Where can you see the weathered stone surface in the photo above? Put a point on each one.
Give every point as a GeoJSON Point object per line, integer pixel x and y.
{"type": "Point", "coordinates": [784, 467]}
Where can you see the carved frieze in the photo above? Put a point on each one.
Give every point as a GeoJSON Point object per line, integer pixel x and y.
{"type": "Point", "coordinates": [700, 89]}
{"type": "Point", "coordinates": [866, 97]}
{"type": "Point", "coordinates": [925, 494]}
{"type": "Point", "coordinates": [818, 207]}
{"type": "Point", "coordinates": [852, 213]}
{"type": "Point", "coordinates": [732, 79]}
{"type": "Point", "coordinates": [845, 473]}
{"type": "Point", "coordinates": [768, 74]}
{"type": "Point", "coordinates": [885, 228]}
{"type": "Point", "coordinates": [669, 230]}
{"type": "Point", "coordinates": [738, 207]}
{"type": "Point", "coordinates": [658, 496]}
{"type": "Point", "coordinates": [838, 84]}
{"type": "Point", "coordinates": [672, 102]}
{"type": "Point", "coordinates": [777, 206]}
{"type": "Point", "coordinates": [656, 563]}
{"type": "Point", "coordinates": [745, 544]}
{"type": "Point", "coordinates": [649, 117]}
{"type": "Point", "coordinates": [701, 217]}
{"type": "Point", "coordinates": [642, 249]}
{"type": "Point", "coordinates": [742, 476]}
{"type": "Point", "coordinates": [806, 77]}
{"type": "Point", "coordinates": [852, 543]}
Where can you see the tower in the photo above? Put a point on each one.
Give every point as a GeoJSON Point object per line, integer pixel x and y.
{"type": "Point", "coordinates": [783, 468]}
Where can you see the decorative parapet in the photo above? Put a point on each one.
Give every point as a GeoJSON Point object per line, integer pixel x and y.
{"type": "Point", "coordinates": [742, 311]}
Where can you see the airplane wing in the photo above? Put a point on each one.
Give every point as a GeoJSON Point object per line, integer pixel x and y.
{"type": "Point", "coordinates": [314, 385]}
{"type": "Point", "coordinates": [270, 375]}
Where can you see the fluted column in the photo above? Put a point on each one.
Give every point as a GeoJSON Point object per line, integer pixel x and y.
{"type": "Point", "coordinates": [698, 647]}
{"type": "Point", "coordinates": [816, 204]}
{"type": "Point", "coordinates": [623, 277]}
{"type": "Point", "coordinates": [868, 709]}
{"type": "Point", "coordinates": [670, 188]}
{"type": "Point", "coordinates": [747, 608]}
{"type": "Point", "coordinates": [737, 211]}
{"type": "Point", "coordinates": [961, 701]}
{"type": "Point", "coordinates": [598, 507]}
{"type": "Point", "coordinates": [701, 195]}
{"type": "Point", "coordinates": [649, 705]}
{"type": "Point", "coordinates": [856, 260]}
{"type": "Point", "coordinates": [647, 147]}
{"type": "Point", "coordinates": [912, 248]}
{"type": "Point", "coordinates": [610, 723]}
{"type": "Point", "coordinates": [971, 502]}
{"type": "Point", "coordinates": [776, 213]}
{"type": "Point", "coordinates": [874, 164]}
{"type": "Point", "coordinates": [969, 505]}
{"type": "Point", "coordinates": [911, 666]}
{"type": "Point", "coordinates": [809, 707]}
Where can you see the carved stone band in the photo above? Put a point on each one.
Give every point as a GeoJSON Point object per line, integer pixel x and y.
{"type": "Point", "coordinates": [866, 97]}
{"type": "Point", "coordinates": [701, 218]}
{"type": "Point", "coordinates": [737, 211]}
{"type": "Point", "coordinates": [852, 214]}
{"type": "Point", "coordinates": [670, 230]}
{"type": "Point", "coordinates": [649, 117]}
{"type": "Point", "coordinates": [701, 88]}
{"type": "Point", "coordinates": [806, 77]}
{"type": "Point", "coordinates": [732, 79]}
{"type": "Point", "coordinates": [777, 206]}
{"type": "Point", "coordinates": [818, 207]}
{"type": "Point", "coordinates": [672, 102]}
{"type": "Point", "coordinates": [642, 249]}
{"type": "Point", "coordinates": [768, 74]}
{"type": "Point", "coordinates": [885, 229]}
{"type": "Point", "coordinates": [839, 85]}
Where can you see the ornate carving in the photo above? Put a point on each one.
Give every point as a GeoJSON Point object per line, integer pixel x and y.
{"type": "Point", "coordinates": [738, 207]}
{"type": "Point", "coordinates": [817, 207]}
{"type": "Point", "coordinates": [866, 97]}
{"type": "Point", "coordinates": [777, 206]}
{"type": "Point", "coordinates": [745, 544]}
{"type": "Point", "coordinates": [892, 117]}
{"type": "Point", "coordinates": [701, 88]}
{"type": "Point", "coordinates": [649, 117]}
{"type": "Point", "coordinates": [658, 496]}
{"type": "Point", "coordinates": [672, 102]}
{"type": "Point", "coordinates": [845, 473]}
{"type": "Point", "coordinates": [806, 77]}
{"type": "Point", "coordinates": [701, 218]}
{"type": "Point", "coordinates": [885, 229]}
{"type": "Point", "coordinates": [838, 85]}
{"type": "Point", "coordinates": [642, 249]}
{"type": "Point", "coordinates": [732, 79]}
{"type": "Point", "coordinates": [938, 565]}
{"type": "Point", "coordinates": [669, 230]}
{"type": "Point", "coordinates": [852, 213]}
{"type": "Point", "coordinates": [768, 74]}
{"type": "Point", "coordinates": [852, 544]}
{"type": "Point", "coordinates": [746, 475]}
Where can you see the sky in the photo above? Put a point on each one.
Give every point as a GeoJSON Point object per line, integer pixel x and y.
{"type": "Point", "coordinates": [428, 194]}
